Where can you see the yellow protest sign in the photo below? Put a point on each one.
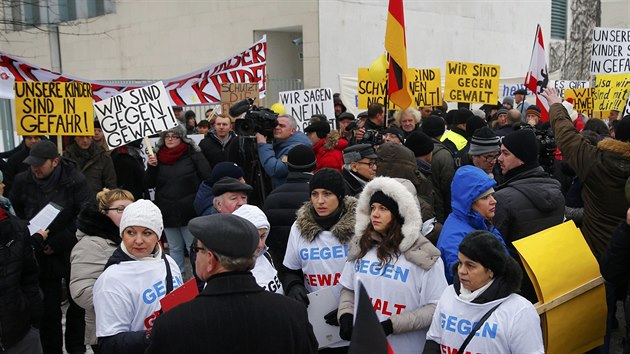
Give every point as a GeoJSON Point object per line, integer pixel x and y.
{"type": "Point", "coordinates": [425, 87]}
{"type": "Point", "coordinates": [582, 99]}
{"type": "Point", "coordinates": [471, 82]}
{"type": "Point", "coordinates": [54, 108]}
{"type": "Point", "coordinates": [234, 92]}
{"type": "Point", "coordinates": [611, 92]}
{"type": "Point", "coordinates": [569, 286]}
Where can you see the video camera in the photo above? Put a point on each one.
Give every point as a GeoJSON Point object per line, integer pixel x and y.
{"type": "Point", "coordinates": [371, 136]}
{"type": "Point", "coordinates": [256, 120]}
{"type": "Point", "coordinates": [547, 147]}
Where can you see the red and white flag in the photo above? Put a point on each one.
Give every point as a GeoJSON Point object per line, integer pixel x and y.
{"type": "Point", "coordinates": [537, 76]}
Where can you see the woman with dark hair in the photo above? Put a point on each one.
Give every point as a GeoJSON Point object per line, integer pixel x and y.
{"type": "Point", "coordinates": [318, 241]}
{"type": "Point", "coordinates": [175, 171]}
{"type": "Point", "coordinates": [400, 269]}
{"type": "Point", "coordinates": [485, 287]}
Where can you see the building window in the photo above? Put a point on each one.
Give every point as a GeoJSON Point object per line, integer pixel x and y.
{"type": "Point", "coordinates": [21, 14]}
{"type": "Point", "coordinates": [559, 19]}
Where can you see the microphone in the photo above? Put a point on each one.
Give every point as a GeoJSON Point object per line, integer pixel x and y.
{"type": "Point", "coordinates": [241, 107]}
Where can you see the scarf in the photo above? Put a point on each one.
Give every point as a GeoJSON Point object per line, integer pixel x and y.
{"type": "Point", "coordinates": [83, 156]}
{"type": "Point", "coordinates": [469, 296]}
{"type": "Point", "coordinates": [156, 254]}
{"type": "Point", "coordinates": [169, 157]}
{"type": "Point", "coordinates": [48, 184]}
{"type": "Point", "coordinates": [327, 222]}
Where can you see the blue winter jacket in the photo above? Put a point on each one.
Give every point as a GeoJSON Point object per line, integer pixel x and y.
{"type": "Point", "coordinates": [273, 157]}
{"type": "Point", "coordinates": [468, 183]}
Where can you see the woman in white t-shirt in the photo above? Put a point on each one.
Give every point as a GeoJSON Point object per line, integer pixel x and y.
{"type": "Point", "coordinates": [400, 269]}
{"type": "Point", "coordinates": [137, 275]}
{"type": "Point", "coordinates": [484, 285]}
{"type": "Point", "coordinates": [318, 242]}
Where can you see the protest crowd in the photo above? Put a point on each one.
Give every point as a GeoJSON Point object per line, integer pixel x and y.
{"type": "Point", "coordinates": [422, 206]}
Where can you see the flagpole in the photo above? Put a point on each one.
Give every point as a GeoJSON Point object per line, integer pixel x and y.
{"type": "Point", "coordinates": [529, 69]}
{"type": "Point", "coordinates": [386, 98]}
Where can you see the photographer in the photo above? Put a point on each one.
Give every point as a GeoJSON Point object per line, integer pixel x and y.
{"type": "Point", "coordinates": [273, 157]}
{"type": "Point", "coordinates": [374, 124]}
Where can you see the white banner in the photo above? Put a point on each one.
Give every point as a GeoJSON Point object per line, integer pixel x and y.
{"type": "Point", "coordinates": [610, 50]}
{"type": "Point", "coordinates": [303, 104]}
{"type": "Point", "coordinates": [6, 84]}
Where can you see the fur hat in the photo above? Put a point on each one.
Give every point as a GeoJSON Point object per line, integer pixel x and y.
{"type": "Point", "coordinates": [229, 235]}
{"type": "Point", "coordinates": [407, 207]}
{"type": "Point", "coordinates": [484, 247]}
{"type": "Point", "coordinates": [142, 213]}
{"type": "Point", "coordinates": [329, 179]}
{"type": "Point", "coordinates": [179, 131]}
{"type": "Point", "coordinates": [523, 144]}
{"type": "Point", "coordinates": [434, 126]}
{"type": "Point", "coordinates": [484, 140]}
{"type": "Point", "coordinates": [301, 158]}
{"type": "Point", "coordinates": [420, 143]}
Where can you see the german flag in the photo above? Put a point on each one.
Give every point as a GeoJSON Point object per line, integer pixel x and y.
{"type": "Point", "coordinates": [396, 46]}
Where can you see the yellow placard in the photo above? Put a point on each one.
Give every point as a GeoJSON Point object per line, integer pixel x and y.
{"type": "Point", "coordinates": [558, 261]}
{"type": "Point", "coordinates": [54, 108]}
{"type": "Point", "coordinates": [611, 92]}
{"type": "Point", "coordinates": [234, 92]}
{"type": "Point", "coordinates": [471, 82]}
{"type": "Point", "coordinates": [425, 87]}
{"type": "Point", "coordinates": [582, 99]}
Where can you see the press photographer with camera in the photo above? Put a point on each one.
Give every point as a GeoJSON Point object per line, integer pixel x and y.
{"type": "Point", "coordinates": [371, 132]}
{"type": "Point", "coordinates": [273, 156]}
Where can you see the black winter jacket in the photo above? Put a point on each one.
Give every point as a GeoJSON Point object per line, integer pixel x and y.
{"type": "Point", "coordinates": [129, 170]}
{"type": "Point", "coordinates": [71, 193]}
{"type": "Point", "coordinates": [280, 207]}
{"type": "Point", "coordinates": [20, 300]}
{"type": "Point", "coordinates": [176, 186]}
{"type": "Point", "coordinates": [15, 165]}
{"type": "Point", "coordinates": [214, 150]}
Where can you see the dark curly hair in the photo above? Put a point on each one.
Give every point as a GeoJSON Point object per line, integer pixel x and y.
{"type": "Point", "coordinates": [386, 250]}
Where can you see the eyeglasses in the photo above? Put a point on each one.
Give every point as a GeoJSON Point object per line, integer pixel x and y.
{"type": "Point", "coordinates": [196, 249]}
{"type": "Point", "coordinates": [171, 137]}
{"type": "Point", "coordinates": [369, 164]}
{"type": "Point", "coordinates": [119, 210]}
{"type": "Point", "coordinates": [489, 158]}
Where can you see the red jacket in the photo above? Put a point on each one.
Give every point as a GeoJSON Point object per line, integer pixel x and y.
{"type": "Point", "coordinates": [329, 152]}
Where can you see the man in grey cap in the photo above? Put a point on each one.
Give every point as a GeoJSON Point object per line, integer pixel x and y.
{"type": "Point", "coordinates": [484, 150]}
{"type": "Point", "coordinates": [232, 314]}
{"type": "Point", "coordinates": [52, 178]}
{"type": "Point", "coordinates": [359, 167]}
{"type": "Point", "coordinates": [229, 194]}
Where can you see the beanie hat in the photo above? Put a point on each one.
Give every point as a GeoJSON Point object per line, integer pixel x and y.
{"type": "Point", "coordinates": [301, 158]}
{"type": "Point", "coordinates": [473, 123]}
{"type": "Point", "coordinates": [502, 111]}
{"type": "Point", "coordinates": [226, 169]}
{"type": "Point", "coordinates": [254, 215]}
{"type": "Point", "coordinates": [433, 126]}
{"type": "Point", "coordinates": [461, 116]}
{"type": "Point", "coordinates": [484, 141]}
{"type": "Point", "coordinates": [389, 203]}
{"type": "Point", "coordinates": [180, 132]}
{"type": "Point", "coordinates": [396, 131]}
{"type": "Point", "coordinates": [523, 144]}
{"type": "Point", "coordinates": [97, 124]}
{"type": "Point", "coordinates": [226, 234]}
{"type": "Point", "coordinates": [329, 179]}
{"type": "Point", "coordinates": [321, 128]}
{"type": "Point", "coordinates": [142, 213]}
{"type": "Point", "coordinates": [484, 247]}
{"type": "Point", "coordinates": [622, 130]}
{"type": "Point", "coordinates": [420, 143]}
{"type": "Point", "coordinates": [533, 109]}
{"type": "Point", "coordinates": [508, 100]}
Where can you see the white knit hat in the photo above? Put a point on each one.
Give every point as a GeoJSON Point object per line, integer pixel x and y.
{"type": "Point", "coordinates": [254, 215]}
{"type": "Point", "coordinates": [142, 213]}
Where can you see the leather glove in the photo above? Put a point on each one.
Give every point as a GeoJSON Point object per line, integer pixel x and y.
{"type": "Point", "coordinates": [331, 318]}
{"type": "Point", "coordinates": [299, 293]}
{"type": "Point", "coordinates": [388, 327]}
{"type": "Point", "coordinates": [346, 323]}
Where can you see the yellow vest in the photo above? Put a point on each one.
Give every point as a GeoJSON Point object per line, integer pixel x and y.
{"type": "Point", "coordinates": [459, 141]}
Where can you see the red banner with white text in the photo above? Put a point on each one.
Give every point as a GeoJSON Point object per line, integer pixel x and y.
{"type": "Point", "coordinates": [200, 87]}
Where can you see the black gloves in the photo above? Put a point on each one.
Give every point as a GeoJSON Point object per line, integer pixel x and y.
{"type": "Point", "coordinates": [388, 327]}
{"type": "Point", "coordinates": [299, 293]}
{"type": "Point", "coordinates": [331, 318]}
{"type": "Point", "coordinates": [346, 323]}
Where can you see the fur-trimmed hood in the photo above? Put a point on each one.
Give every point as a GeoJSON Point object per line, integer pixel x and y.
{"type": "Point", "coordinates": [616, 146]}
{"type": "Point", "coordinates": [333, 142]}
{"type": "Point", "coordinates": [343, 229]}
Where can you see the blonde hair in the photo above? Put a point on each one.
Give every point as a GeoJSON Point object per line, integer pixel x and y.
{"type": "Point", "coordinates": [414, 112]}
{"type": "Point", "coordinates": [106, 197]}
